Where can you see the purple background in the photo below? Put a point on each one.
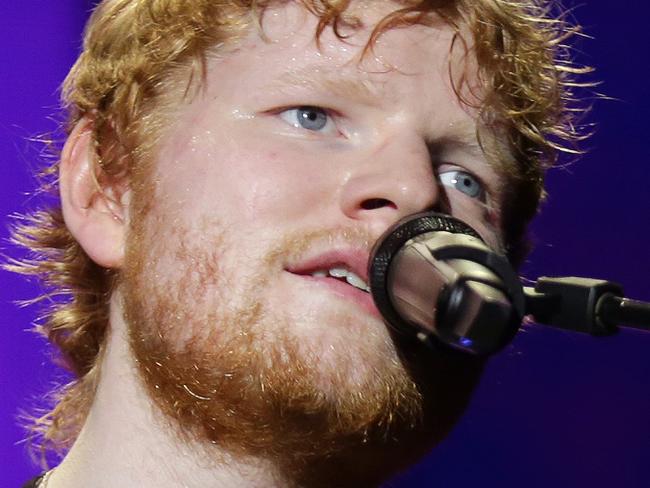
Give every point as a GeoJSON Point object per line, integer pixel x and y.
{"type": "Point", "coordinates": [554, 409]}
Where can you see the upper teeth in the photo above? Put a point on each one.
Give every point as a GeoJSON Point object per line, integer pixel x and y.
{"type": "Point", "coordinates": [349, 276]}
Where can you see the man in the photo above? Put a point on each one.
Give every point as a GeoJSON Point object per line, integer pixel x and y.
{"type": "Point", "coordinates": [229, 166]}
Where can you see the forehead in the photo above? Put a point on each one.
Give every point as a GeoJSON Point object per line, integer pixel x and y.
{"type": "Point", "coordinates": [293, 26]}
{"type": "Point", "coordinates": [418, 61]}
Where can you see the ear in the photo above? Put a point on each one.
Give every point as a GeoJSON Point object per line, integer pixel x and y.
{"type": "Point", "coordinates": [94, 206]}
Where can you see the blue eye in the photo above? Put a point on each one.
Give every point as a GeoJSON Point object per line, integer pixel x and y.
{"type": "Point", "coordinates": [311, 118]}
{"type": "Point", "coordinates": [463, 182]}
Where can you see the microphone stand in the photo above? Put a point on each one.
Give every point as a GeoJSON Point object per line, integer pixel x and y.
{"type": "Point", "coordinates": [584, 305]}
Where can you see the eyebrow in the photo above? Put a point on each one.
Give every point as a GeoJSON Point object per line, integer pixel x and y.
{"type": "Point", "coordinates": [463, 137]}
{"type": "Point", "coordinates": [333, 83]}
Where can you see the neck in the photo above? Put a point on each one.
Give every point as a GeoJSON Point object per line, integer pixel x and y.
{"type": "Point", "coordinates": [126, 442]}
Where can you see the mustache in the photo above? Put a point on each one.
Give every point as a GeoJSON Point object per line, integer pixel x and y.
{"type": "Point", "coordinates": [295, 246]}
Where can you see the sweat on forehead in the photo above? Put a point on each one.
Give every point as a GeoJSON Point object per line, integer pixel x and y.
{"type": "Point", "coordinates": [366, 50]}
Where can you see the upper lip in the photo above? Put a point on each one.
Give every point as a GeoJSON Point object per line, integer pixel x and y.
{"type": "Point", "coordinates": [355, 260]}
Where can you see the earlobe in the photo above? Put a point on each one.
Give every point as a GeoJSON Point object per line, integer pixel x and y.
{"type": "Point", "coordinates": [94, 207]}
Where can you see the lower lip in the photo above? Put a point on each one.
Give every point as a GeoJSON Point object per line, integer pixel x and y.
{"type": "Point", "coordinates": [345, 291]}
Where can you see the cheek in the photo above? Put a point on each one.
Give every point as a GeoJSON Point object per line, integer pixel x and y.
{"type": "Point", "coordinates": [261, 184]}
{"type": "Point", "coordinates": [240, 178]}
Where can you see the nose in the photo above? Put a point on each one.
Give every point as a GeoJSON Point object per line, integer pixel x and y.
{"type": "Point", "coordinates": [392, 181]}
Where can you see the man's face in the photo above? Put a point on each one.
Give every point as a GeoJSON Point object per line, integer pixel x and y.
{"type": "Point", "coordinates": [270, 187]}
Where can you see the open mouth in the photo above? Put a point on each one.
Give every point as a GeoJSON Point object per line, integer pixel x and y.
{"type": "Point", "coordinates": [344, 275]}
{"type": "Point", "coordinates": [343, 283]}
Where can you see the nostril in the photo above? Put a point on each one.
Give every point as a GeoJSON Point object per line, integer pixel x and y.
{"type": "Point", "coordinates": [374, 203]}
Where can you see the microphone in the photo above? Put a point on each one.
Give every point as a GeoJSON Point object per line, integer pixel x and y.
{"type": "Point", "coordinates": [432, 277]}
